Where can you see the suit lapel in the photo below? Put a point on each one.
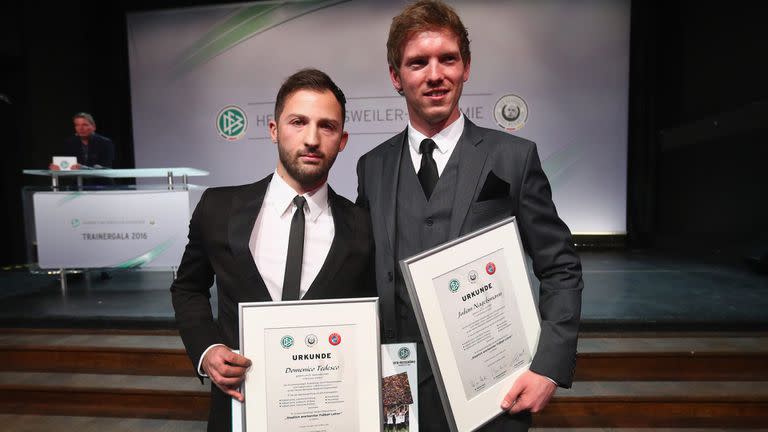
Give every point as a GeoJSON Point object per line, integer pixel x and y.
{"type": "Point", "coordinates": [391, 171]}
{"type": "Point", "coordinates": [471, 162]}
{"type": "Point", "coordinates": [245, 210]}
{"type": "Point", "coordinates": [342, 237]}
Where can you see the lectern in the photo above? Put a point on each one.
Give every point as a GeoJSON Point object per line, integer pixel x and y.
{"type": "Point", "coordinates": [78, 227]}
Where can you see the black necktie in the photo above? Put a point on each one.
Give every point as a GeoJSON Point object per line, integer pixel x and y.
{"type": "Point", "coordinates": [292, 278]}
{"type": "Point", "coordinates": [428, 170]}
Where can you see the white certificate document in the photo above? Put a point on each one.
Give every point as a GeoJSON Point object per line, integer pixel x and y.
{"type": "Point", "coordinates": [316, 366]}
{"type": "Point", "coordinates": [310, 377]}
{"type": "Point", "coordinates": [487, 338]}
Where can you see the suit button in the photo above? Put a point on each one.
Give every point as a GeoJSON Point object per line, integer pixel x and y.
{"type": "Point", "coordinates": [429, 221]}
{"type": "Point", "coordinates": [389, 276]}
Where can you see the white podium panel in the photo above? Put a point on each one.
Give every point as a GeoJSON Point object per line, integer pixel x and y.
{"type": "Point", "coordinates": [117, 229]}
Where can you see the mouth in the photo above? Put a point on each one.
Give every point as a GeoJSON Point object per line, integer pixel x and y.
{"type": "Point", "coordinates": [437, 93]}
{"type": "Point", "coordinates": [311, 157]}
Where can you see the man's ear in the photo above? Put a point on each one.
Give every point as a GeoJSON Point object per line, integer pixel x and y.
{"type": "Point", "coordinates": [466, 71]}
{"type": "Point", "coordinates": [395, 77]}
{"type": "Point", "coordinates": [343, 143]}
{"type": "Point", "coordinates": [273, 130]}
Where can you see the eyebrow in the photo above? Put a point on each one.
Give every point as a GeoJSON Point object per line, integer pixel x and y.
{"type": "Point", "coordinates": [440, 54]}
{"type": "Point", "coordinates": [321, 120]}
{"type": "Point", "coordinates": [330, 121]}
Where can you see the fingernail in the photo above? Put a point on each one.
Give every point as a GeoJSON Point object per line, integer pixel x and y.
{"type": "Point", "coordinates": [505, 404]}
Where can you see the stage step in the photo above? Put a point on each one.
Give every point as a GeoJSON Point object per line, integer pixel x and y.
{"type": "Point", "coordinates": [108, 395]}
{"type": "Point", "coordinates": [588, 404]}
{"type": "Point", "coordinates": [665, 429]}
{"type": "Point", "coordinates": [32, 423]}
{"type": "Point", "coordinates": [681, 357]}
{"type": "Point", "coordinates": [659, 404]}
{"type": "Point", "coordinates": [675, 356]}
{"type": "Point", "coordinates": [623, 380]}
{"type": "Point", "coordinates": [129, 353]}
{"type": "Point", "coordinates": [45, 423]}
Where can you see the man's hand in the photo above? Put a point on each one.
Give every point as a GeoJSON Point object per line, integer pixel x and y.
{"type": "Point", "coordinates": [530, 391]}
{"type": "Point", "coordinates": [226, 369]}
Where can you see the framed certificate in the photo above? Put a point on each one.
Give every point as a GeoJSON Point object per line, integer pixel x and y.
{"type": "Point", "coordinates": [474, 305]}
{"type": "Point", "coordinates": [316, 365]}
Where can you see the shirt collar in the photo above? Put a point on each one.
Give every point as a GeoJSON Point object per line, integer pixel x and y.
{"type": "Point", "coordinates": [446, 139]}
{"type": "Point", "coordinates": [280, 197]}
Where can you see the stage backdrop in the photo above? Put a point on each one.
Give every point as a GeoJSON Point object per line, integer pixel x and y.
{"type": "Point", "coordinates": [204, 80]}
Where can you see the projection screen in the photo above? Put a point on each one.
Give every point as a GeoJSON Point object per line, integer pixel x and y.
{"type": "Point", "coordinates": [204, 80]}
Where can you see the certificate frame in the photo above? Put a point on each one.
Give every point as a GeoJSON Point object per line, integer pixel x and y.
{"type": "Point", "coordinates": [420, 273]}
{"type": "Point", "coordinates": [258, 318]}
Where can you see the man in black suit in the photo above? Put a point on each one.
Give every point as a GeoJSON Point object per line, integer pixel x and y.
{"type": "Point", "coordinates": [90, 148]}
{"type": "Point", "coordinates": [443, 177]}
{"type": "Point", "coordinates": [286, 237]}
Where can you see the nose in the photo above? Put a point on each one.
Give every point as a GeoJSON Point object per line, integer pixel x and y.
{"type": "Point", "coordinates": [312, 137]}
{"type": "Point", "coordinates": [434, 72]}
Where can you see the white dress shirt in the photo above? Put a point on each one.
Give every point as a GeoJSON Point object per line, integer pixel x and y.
{"type": "Point", "coordinates": [269, 238]}
{"type": "Point", "coordinates": [446, 141]}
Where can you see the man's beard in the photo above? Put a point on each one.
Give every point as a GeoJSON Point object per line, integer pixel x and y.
{"type": "Point", "coordinates": [308, 176]}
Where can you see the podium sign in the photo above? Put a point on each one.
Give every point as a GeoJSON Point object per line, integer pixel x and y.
{"type": "Point", "coordinates": [111, 229]}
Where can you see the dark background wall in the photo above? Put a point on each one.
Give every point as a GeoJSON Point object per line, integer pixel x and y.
{"type": "Point", "coordinates": [698, 104]}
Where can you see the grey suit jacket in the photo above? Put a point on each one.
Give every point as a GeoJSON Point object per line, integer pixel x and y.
{"type": "Point", "coordinates": [500, 175]}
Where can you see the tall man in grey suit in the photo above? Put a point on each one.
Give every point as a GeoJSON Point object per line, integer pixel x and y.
{"type": "Point", "coordinates": [443, 177]}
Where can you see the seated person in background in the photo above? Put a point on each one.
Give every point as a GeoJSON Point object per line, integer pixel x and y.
{"type": "Point", "coordinates": [90, 149]}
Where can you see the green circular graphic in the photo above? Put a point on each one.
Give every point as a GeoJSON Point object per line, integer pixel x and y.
{"type": "Point", "coordinates": [403, 353]}
{"type": "Point", "coordinates": [286, 341]}
{"type": "Point", "coordinates": [231, 123]}
{"type": "Point", "coordinates": [453, 285]}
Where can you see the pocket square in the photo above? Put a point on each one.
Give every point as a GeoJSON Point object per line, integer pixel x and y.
{"type": "Point", "coordinates": [493, 188]}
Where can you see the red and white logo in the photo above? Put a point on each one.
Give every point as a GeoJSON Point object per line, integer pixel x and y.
{"type": "Point", "coordinates": [490, 268]}
{"type": "Point", "coordinates": [334, 339]}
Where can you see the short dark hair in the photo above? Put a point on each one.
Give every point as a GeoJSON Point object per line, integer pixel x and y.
{"type": "Point", "coordinates": [85, 116]}
{"type": "Point", "coordinates": [309, 79]}
{"type": "Point", "coordinates": [424, 15]}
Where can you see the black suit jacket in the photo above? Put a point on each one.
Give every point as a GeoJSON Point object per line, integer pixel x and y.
{"type": "Point", "coordinates": [101, 150]}
{"type": "Point", "coordinates": [219, 232]}
{"type": "Point", "coordinates": [500, 175]}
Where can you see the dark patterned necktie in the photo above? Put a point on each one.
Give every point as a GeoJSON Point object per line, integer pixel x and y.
{"type": "Point", "coordinates": [428, 170]}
